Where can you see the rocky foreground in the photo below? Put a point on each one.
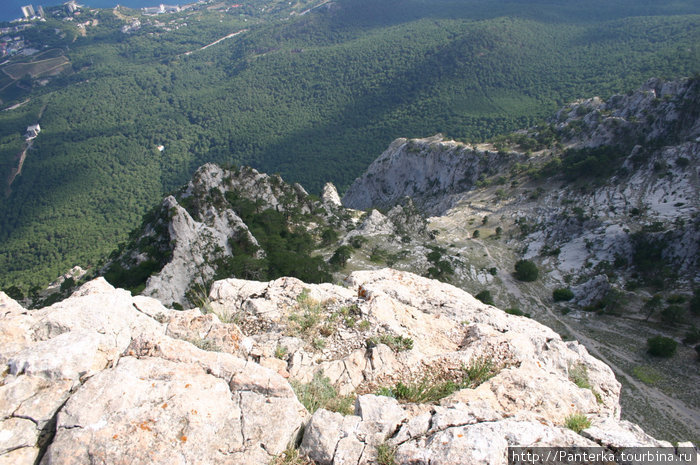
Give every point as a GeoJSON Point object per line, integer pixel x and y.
{"type": "Point", "coordinates": [105, 377]}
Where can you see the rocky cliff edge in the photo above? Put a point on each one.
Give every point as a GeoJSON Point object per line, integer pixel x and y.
{"type": "Point", "coordinates": [105, 377]}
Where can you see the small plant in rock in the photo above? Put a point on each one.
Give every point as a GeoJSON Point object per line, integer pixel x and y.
{"type": "Point", "coordinates": [281, 352]}
{"type": "Point", "coordinates": [364, 325]}
{"type": "Point", "coordinates": [349, 314]}
{"type": "Point", "coordinates": [577, 422]}
{"type": "Point", "coordinates": [291, 456]}
{"type": "Point", "coordinates": [204, 344]}
{"type": "Point", "coordinates": [319, 343]}
{"type": "Point", "coordinates": [199, 297]}
{"type": "Point", "coordinates": [386, 454]}
{"type": "Point", "coordinates": [660, 346]}
{"type": "Point", "coordinates": [423, 392]}
{"type": "Point", "coordinates": [310, 315]}
{"type": "Point", "coordinates": [433, 388]}
{"type": "Point", "coordinates": [578, 374]}
{"type": "Point", "coordinates": [395, 343]}
{"type": "Point", "coordinates": [320, 393]}
{"type": "Point", "coordinates": [479, 371]}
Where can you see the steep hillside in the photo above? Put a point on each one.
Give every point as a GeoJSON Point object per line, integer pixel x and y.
{"type": "Point", "coordinates": [604, 201]}
{"type": "Point", "coordinates": [611, 187]}
{"type": "Point", "coordinates": [226, 222]}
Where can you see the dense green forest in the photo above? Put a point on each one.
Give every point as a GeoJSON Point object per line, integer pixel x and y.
{"type": "Point", "coordinates": [314, 97]}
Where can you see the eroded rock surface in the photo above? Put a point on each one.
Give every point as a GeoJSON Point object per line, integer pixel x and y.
{"type": "Point", "coordinates": [155, 385]}
{"type": "Point", "coordinates": [98, 378]}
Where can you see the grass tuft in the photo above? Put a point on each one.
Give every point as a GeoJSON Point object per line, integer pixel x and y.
{"type": "Point", "coordinates": [320, 393]}
{"type": "Point", "coordinates": [395, 343]}
{"type": "Point", "coordinates": [386, 454]}
{"type": "Point", "coordinates": [577, 422]}
{"type": "Point", "coordinates": [431, 390]}
{"type": "Point", "coordinates": [578, 374]}
{"type": "Point", "coordinates": [291, 456]}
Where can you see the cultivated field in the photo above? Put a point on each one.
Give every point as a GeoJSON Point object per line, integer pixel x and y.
{"type": "Point", "coordinates": [38, 68]}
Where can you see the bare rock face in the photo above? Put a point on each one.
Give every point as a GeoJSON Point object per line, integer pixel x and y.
{"type": "Point", "coordinates": [447, 327]}
{"type": "Point", "coordinates": [196, 245]}
{"type": "Point", "coordinates": [98, 377]}
{"type": "Point", "coordinates": [330, 195]}
{"type": "Point", "coordinates": [426, 170]}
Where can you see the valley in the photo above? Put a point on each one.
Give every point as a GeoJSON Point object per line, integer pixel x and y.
{"type": "Point", "coordinates": [313, 97]}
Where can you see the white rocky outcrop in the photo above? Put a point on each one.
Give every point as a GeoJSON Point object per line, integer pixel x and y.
{"type": "Point", "coordinates": [107, 377]}
{"type": "Point", "coordinates": [330, 196]}
{"type": "Point", "coordinates": [429, 171]}
{"type": "Point", "coordinates": [196, 244]}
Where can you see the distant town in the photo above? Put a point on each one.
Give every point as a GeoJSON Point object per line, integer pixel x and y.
{"type": "Point", "coordinates": [13, 43]}
{"type": "Point", "coordinates": [11, 40]}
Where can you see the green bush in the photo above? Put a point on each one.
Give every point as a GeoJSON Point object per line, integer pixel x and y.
{"type": "Point", "coordinates": [329, 236]}
{"type": "Point", "coordinates": [14, 292]}
{"type": "Point", "coordinates": [341, 256]}
{"type": "Point", "coordinates": [673, 314]}
{"type": "Point", "coordinates": [660, 346]}
{"type": "Point", "coordinates": [526, 270]}
{"type": "Point", "coordinates": [692, 336]}
{"type": "Point", "coordinates": [358, 241]}
{"type": "Point", "coordinates": [516, 312]}
{"type": "Point", "coordinates": [485, 296]}
{"type": "Point", "coordinates": [562, 294]}
{"type": "Point", "coordinates": [695, 302]}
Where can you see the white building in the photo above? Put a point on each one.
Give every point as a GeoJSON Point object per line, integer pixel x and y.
{"type": "Point", "coordinates": [71, 6]}
{"type": "Point", "coordinates": [32, 131]}
{"type": "Point", "coordinates": [28, 11]}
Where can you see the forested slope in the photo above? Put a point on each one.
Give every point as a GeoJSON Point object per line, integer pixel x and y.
{"type": "Point", "coordinates": [315, 98]}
